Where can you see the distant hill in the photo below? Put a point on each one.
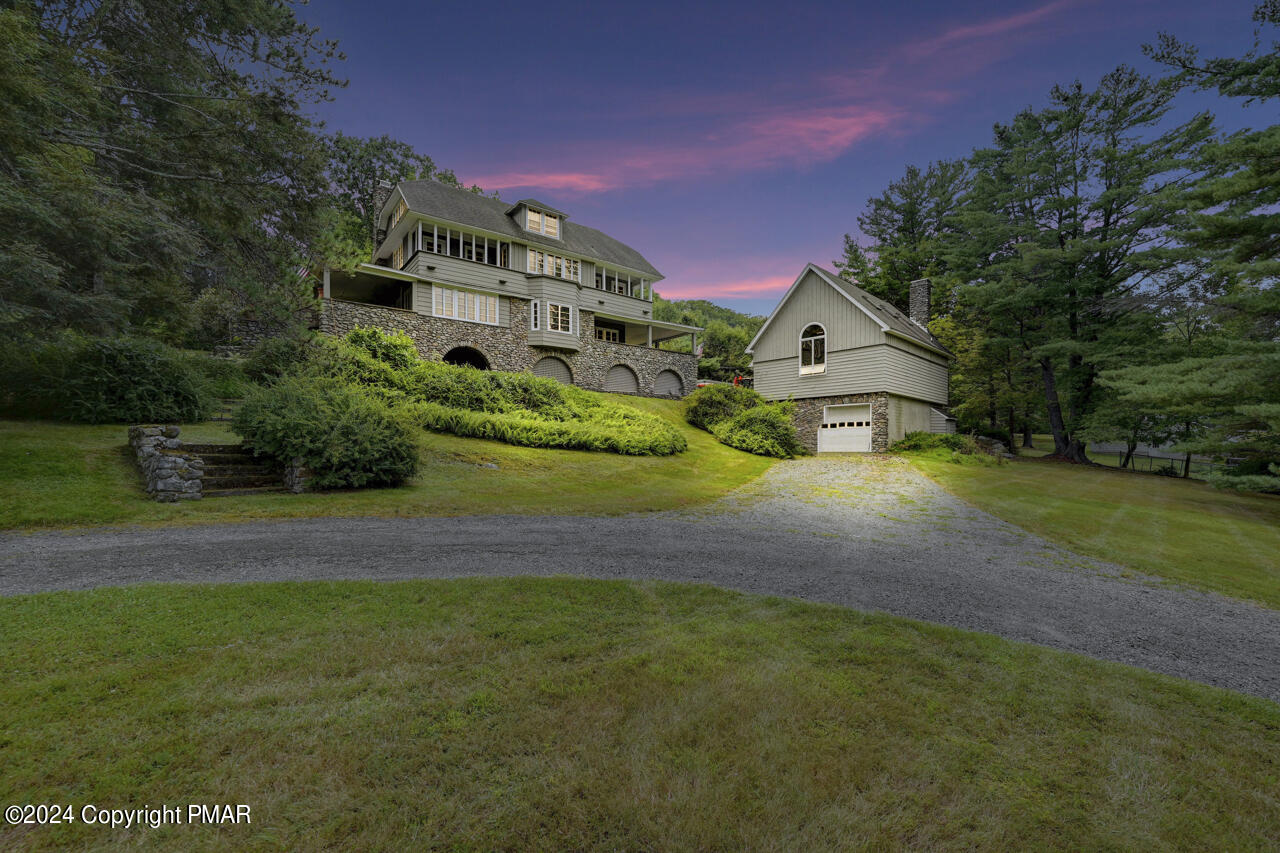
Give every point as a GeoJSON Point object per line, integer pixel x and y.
{"type": "Point", "coordinates": [725, 340]}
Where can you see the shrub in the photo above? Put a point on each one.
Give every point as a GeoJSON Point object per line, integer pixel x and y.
{"type": "Point", "coordinates": [278, 356]}
{"type": "Point", "coordinates": [945, 447]}
{"type": "Point", "coordinates": [394, 348]}
{"type": "Point", "coordinates": [709, 406]}
{"type": "Point", "coordinates": [103, 380]}
{"type": "Point", "coordinates": [346, 436]}
{"type": "Point", "coordinates": [765, 430]}
{"type": "Point", "coordinates": [218, 377]}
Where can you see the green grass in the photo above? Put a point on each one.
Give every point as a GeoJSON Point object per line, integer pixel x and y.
{"type": "Point", "coordinates": [59, 475]}
{"type": "Point", "coordinates": [573, 714]}
{"type": "Point", "coordinates": [1181, 530]}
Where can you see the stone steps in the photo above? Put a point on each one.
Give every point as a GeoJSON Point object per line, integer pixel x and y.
{"type": "Point", "coordinates": [251, 490]}
{"type": "Point", "coordinates": [230, 469]}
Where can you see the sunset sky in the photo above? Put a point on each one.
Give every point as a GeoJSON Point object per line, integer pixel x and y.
{"type": "Point", "coordinates": [729, 143]}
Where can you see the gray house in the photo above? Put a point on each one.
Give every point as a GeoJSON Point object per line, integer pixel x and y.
{"type": "Point", "coordinates": [862, 373]}
{"type": "Point", "coordinates": [493, 285]}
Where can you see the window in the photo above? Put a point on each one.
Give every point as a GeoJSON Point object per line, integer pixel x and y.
{"type": "Point", "coordinates": [533, 315]}
{"type": "Point", "coordinates": [610, 335]}
{"type": "Point", "coordinates": [466, 245]}
{"type": "Point", "coordinates": [559, 318]}
{"type": "Point", "coordinates": [541, 263]}
{"type": "Point", "coordinates": [813, 349]}
{"type": "Point", "coordinates": [465, 305]}
{"type": "Point", "coordinates": [397, 214]}
{"type": "Point", "coordinates": [541, 223]}
{"type": "Point", "coordinates": [620, 282]}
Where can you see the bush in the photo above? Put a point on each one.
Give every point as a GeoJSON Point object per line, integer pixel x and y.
{"type": "Point", "coordinates": [102, 380]}
{"type": "Point", "coordinates": [346, 436]}
{"type": "Point", "coordinates": [278, 356]}
{"type": "Point", "coordinates": [946, 447]}
{"type": "Point", "coordinates": [765, 430]}
{"type": "Point", "coordinates": [709, 406]}
{"type": "Point", "coordinates": [394, 348]}
{"type": "Point", "coordinates": [218, 377]}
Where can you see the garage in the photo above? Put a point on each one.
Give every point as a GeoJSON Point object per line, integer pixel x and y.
{"type": "Point", "coordinates": [845, 429]}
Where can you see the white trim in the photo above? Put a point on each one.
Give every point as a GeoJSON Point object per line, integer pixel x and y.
{"type": "Point", "coordinates": [535, 316]}
{"type": "Point", "coordinates": [815, 369]}
{"type": "Point", "coordinates": [457, 292]}
{"type": "Point", "coordinates": [822, 274]}
{"type": "Point", "coordinates": [572, 317]}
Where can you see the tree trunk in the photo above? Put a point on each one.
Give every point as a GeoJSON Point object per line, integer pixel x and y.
{"type": "Point", "coordinates": [1027, 439]}
{"type": "Point", "coordinates": [1013, 447]}
{"type": "Point", "coordinates": [1130, 446]}
{"type": "Point", "coordinates": [1186, 462]}
{"type": "Point", "coordinates": [1063, 444]}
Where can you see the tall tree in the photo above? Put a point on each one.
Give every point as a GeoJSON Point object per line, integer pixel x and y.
{"type": "Point", "coordinates": [1236, 226]}
{"type": "Point", "coordinates": [184, 121]}
{"type": "Point", "coordinates": [1070, 222]}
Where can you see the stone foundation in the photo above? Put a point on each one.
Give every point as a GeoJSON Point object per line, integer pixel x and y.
{"type": "Point", "coordinates": [507, 347]}
{"type": "Point", "coordinates": [170, 474]}
{"type": "Point", "coordinates": [808, 418]}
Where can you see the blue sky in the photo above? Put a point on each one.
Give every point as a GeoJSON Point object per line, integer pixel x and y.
{"type": "Point", "coordinates": [730, 143]}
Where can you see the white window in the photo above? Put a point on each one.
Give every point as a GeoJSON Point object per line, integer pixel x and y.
{"type": "Point", "coordinates": [541, 263]}
{"type": "Point", "coordinates": [541, 222]}
{"type": "Point", "coordinates": [533, 315]}
{"type": "Point", "coordinates": [465, 305]}
{"type": "Point", "coordinates": [559, 318]}
{"type": "Point", "coordinates": [813, 349]}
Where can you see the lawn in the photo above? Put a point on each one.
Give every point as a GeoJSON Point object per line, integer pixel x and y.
{"type": "Point", "coordinates": [577, 714]}
{"type": "Point", "coordinates": [1182, 530]}
{"type": "Point", "coordinates": [59, 475]}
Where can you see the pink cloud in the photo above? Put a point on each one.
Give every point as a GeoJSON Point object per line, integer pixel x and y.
{"type": "Point", "coordinates": [734, 287]}
{"type": "Point", "coordinates": [785, 136]}
{"type": "Point", "coordinates": [986, 30]}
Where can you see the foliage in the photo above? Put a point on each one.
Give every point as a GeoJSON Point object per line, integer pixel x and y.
{"type": "Point", "coordinates": [278, 355]}
{"type": "Point", "coordinates": [944, 447]}
{"type": "Point", "coordinates": [724, 341]}
{"type": "Point", "coordinates": [346, 436]}
{"type": "Point", "coordinates": [708, 406]}
{"type": "Point", "coordinates": [516, 408]}
{"type": "Point", "coordinates": [223, 378]}
{"type": "Point", "coordinates": [765, 430]}
{"type": "Point", "coordinates": [102, 380]}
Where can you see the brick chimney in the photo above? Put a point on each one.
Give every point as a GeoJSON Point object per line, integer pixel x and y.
{"type": "Point", "coordinates": [920, 302]}
{"type": "Point", "coordinates": [381, 193]}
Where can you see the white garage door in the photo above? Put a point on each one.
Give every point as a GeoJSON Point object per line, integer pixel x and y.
{"type": "Point", "coordinates": [845, 429]}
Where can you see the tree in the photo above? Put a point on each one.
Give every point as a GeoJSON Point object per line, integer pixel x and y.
{"type": "Point", "coordinates": [1235, 225]}
{"type": "Point", "coordinates": [854, 264]}
{"type": "Point", "coordinates": [724, 341]}
{"type": "Point", "coordinates": [127, 185]}
{"type": "Point", "coordinates": [1067, 234]}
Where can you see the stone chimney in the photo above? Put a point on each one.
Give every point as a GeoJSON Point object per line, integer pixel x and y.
{"type": "Point", "coordinates": [381, 193]}
{"type": "Point", "coordinates": [920, 302]}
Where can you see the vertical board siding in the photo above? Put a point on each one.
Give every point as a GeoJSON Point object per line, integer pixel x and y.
{"type": "Point", "coordinates": [907, 416]}
{"type": "Point", "coordinates": [815, 301]}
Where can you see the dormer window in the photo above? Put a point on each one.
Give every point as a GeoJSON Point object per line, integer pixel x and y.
{"type": "Point", "coordinates": [813, 350]}
{"type": "Point", "coordinates": [542, 223]}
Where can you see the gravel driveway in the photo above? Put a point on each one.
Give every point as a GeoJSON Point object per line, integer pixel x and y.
{"type": "Point", "coordinates": [864, 532]}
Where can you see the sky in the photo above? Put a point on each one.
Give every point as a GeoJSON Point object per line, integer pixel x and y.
{"type": "Point", "coordinates": [729, 143]}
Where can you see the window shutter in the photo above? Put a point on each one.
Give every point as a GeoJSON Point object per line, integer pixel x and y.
{"type": "Point", "coordinates": [533, 315]}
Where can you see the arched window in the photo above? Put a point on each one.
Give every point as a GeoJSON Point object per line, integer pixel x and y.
{"type": "Point", "coordinates": [813, 349]}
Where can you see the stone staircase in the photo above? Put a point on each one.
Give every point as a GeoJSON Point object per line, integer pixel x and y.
{"type": "Point", "coordinates": [230, 469]}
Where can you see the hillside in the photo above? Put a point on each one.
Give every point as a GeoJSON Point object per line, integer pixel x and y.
{"type": "Point", "coordinates": [725, 341]}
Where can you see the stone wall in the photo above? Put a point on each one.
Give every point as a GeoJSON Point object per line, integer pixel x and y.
{"type": "Point", "coordinates": [808, 418]}
{"type": "Point", "coordinates": [507, 347]}
{"type": "Point", "coordinates": [170, 474]}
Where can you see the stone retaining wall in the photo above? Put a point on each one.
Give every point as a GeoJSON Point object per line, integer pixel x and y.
{"type": "Point", "coordinates": [507, 347]}
{"type": "Point", "coordinates": [808, 418]}
{"type": "Point", "coordinates": [170, 474]}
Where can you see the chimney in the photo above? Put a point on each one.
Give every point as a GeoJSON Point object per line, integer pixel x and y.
{"type": "Point", "coordinates": [381, 193]}
{"type": "Point", "coordinates": [920, 302]}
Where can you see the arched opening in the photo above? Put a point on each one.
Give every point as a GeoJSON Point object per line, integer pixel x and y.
{"type": "Point", "coordinates": [813, 349]}
{"type": "Point", "coordinates": [553, 368]}
{"type": "Point", "coordinates": [668, 384]}
{"type": "Point", "coordinates": [466, 357]}
{"type": "Point", "coordinates": [621, 380]}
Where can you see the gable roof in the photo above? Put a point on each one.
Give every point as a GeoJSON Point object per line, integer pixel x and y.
{"type": "Point", "coordinates": [536, 205]}
{"type": "Point", "coordinates": [434, 199]}
{"type": "Point", "coordinates": [887, 317]}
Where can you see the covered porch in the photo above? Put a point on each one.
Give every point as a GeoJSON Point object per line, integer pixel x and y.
{"type": "Point", "coordinates": [654, 334]}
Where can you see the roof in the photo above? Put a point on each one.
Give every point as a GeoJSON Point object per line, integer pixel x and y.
{"type": "Point", "coordinates": [441, 201]}
{"type": "Point", "coordinates": [536, 205]}
{"type": "Point", "coordinates": [889, 318]}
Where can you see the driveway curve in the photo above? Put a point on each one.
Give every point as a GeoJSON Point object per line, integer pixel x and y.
{"type": "Point", "coordinates": [866, 533]}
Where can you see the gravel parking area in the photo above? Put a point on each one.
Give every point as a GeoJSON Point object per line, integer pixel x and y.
{"type": "Point", "coordinates": [866, 532]}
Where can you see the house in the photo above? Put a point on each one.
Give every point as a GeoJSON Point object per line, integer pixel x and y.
{"type": "Point", "coordinates": [480, 282]}
{"type": "Point", "coordinates": [862, 373]}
